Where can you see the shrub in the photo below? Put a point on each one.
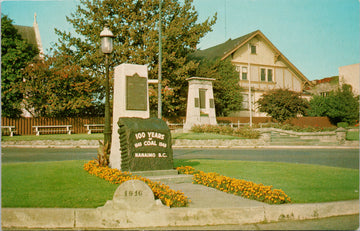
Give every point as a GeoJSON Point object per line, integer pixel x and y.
{"type": "Point", "coordinates": [282, 104]}
{"type": "Point", "coordinates": [197, 129]}
{"type": "Point", "coordinates": [247, 133]}
{"type": "Point", "coordinates": [167, 196]}
{"type": "Point", "coordinates": [342, 125]}
{"type": "Point", "coordinates": [226, 130]}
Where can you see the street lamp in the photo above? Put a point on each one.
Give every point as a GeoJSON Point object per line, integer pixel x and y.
{"type": "Point", "coordinates": [106, 47]}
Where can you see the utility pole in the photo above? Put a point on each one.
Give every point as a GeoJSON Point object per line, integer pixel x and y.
{"type": "Point", "coordinates": [249, 76]}
{"type": "Point", "coordinates": [159, 74]}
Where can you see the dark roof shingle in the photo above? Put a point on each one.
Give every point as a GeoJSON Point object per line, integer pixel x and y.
{"type": "Point", "coordinates": [220, 50]}
{"type": "Point", "coordinates": [27, 33]}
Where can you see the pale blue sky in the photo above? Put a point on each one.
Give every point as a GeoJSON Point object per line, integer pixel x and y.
{"type": "Point", "coordinates": [317, 36]}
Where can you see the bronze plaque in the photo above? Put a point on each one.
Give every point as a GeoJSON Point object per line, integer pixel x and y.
{"type": "Point", "coordinates": [196, 102]}
{"type": "Point", "coordinates": [212, 103]}
{"type": "Point", "coordinates": [136, 93]}
{"type": "Point", "coordinates": [202, 95]}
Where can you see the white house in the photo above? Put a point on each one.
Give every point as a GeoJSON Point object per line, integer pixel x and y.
{"type": "Point", "coordinates": [261, 65]}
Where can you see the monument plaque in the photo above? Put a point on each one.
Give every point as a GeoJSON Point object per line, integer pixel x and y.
{"type": "Point", "coordinates": [136, 93]}
{"type": "Point", "coordinates": [200, 103]}
{"type": "Point", "coordinates": [145, 144]}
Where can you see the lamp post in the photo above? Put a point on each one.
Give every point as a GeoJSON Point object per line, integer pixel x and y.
{"type": "Point", "coordinates": [106, 47]}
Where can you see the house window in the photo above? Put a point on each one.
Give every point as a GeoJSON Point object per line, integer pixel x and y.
{"type": "Point", "coordinates": [253, 49]}
{"type": "Point", "coordinates": [244, 71]}
{"type": "Point", "coordinates": [270, 75]}
{"type": "Point", "coordinates": [263, 74]}
{"type": "Point", "coordinates": [266, 74]}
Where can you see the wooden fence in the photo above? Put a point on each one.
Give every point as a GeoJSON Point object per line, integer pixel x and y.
{"type": "Point", "coordinates": [23, 126]}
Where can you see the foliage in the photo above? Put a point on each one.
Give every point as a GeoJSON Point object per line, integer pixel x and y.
{"type": "Point", "coordinates": [55, 87]}
{"type": "Point", "coordinates": [135, 27]}
{"type": "Point", "coordinates": [168, 196]}
{"type": "Point", "coordinates": [227, 92]}
{"type": "Point", "coordinates": [246, 132]}
{"type": "Point", "coordinates": [15, 55]}
{"type": "Point", "coordinates": [342, 125]}
{"type": "Point", "coordinates": [340, 106]}
{"type": "Point", "coordinates": [282, 104]}
{"type": "Point", "coordinates": [238, 187]}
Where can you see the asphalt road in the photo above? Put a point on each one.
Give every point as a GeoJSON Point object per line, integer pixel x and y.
{"type": "Point", "coordinates": [347, 158]}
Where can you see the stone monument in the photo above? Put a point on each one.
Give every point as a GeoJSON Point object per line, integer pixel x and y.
{"type": "Point", "coordinates": [133, 195]}
{"type": "Point", "coordinates": [200, 103]}
{"type": "Point", "coordinates": [138, 143]}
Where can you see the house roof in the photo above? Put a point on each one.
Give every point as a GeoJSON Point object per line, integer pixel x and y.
{"type": "Point", "coordinates": [27, 33]}
{"type": "Point", "coordinates": [227, 48]}
{"type": "Point", "coordinates": [219, 51]}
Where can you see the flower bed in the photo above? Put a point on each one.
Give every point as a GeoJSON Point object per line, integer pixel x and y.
{"type": "Point", "coordinates": [238, 187]}
{"type": "Point", "coordinates": [247, 133]}
{"type": "Point", "coordinates": [168, 196]}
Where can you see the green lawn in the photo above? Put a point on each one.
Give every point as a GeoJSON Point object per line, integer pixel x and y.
{"type": "Point", "coordinates": [304, 183]}
{"type": "Point", "coordinates": [66, 184]}
{"type": "Point", "coordinates": [52, 184]}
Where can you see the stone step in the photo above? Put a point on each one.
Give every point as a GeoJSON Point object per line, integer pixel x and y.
{"type": "Point", "coordinates": [174, 179]}
{"type": "Point", "coordinates": [156, 173]}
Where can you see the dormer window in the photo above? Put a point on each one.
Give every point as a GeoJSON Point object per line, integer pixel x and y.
{"type": "Point", "coordinates": [253, 49]}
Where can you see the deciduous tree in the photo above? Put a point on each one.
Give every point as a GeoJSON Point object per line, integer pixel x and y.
{"type": "Point", "coordinates": [340, 106]}
{"type": "Point", "coordinates": [134, 24]}
{"type": "Point", "coordinates": [282, 104]}
{"type": "Point", "coordinates": [15, 55]}
{"type": "Point", "coordinates": [55, 87]}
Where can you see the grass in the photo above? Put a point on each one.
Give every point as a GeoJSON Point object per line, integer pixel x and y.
{"type": "Point", "coordinates": [62, 184]}
{"type": "Point", "coordinates": [304, 183]}
{"type": "Point", "coordinates": [65, 184]}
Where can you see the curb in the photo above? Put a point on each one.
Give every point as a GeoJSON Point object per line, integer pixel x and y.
{"type": "Point", "coordinates": [51, 218]}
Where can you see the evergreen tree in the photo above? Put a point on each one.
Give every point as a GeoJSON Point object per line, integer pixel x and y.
{"type": "Point", "coordinates": [227, 92]}
{"type": "Point", "coordinates": [16, 53]}
{"type": "Point", "coordinates": [134, 24]}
